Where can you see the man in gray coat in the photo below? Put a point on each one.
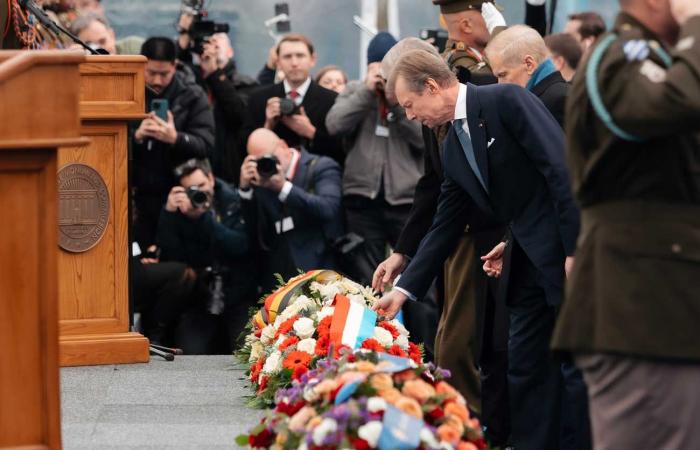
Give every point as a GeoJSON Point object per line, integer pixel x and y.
{"type": "Point", "coordinates": [383, 164]}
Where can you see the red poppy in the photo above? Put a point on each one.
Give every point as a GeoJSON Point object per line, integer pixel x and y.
{"type": "Point", "coordinates": [296, 359]}
{"type": "Point", "coordinates": [286, 326]}
{"type": "Point", "coordinates": [373, 345]}
{"type": "Point", "coordinates": [390, 328]}
{"type": "Point", "coordinates": [397, 351]}
{"type": "Point", "coordinates": [291, 340]}
{"type": "Point", "coordinates": [322, 344]}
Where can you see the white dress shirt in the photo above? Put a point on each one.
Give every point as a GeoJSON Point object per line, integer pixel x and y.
{"type": "Point", "coordinates": [301, 90]}
{"type": "Point", "coordinates": [247, 194]}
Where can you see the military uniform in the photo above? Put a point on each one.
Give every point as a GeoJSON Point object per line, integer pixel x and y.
{"type": "Point", "coordinates": [633, 118]}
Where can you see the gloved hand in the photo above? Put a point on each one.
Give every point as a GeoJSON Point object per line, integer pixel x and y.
{"type": "Point", "coordinates": [492, 16]}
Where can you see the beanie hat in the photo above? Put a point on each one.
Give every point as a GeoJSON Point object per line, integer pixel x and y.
{"type": "Point", "coordinates": [379, 46]}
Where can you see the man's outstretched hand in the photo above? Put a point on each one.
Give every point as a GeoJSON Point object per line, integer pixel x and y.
{"type": "Point", "coordinates": [390, 304]}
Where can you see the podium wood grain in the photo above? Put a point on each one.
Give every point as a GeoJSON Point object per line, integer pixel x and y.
{"type": "Point", "coordinates": [30, 133]}
{"type": "Point", "coordinates": [93, 285]}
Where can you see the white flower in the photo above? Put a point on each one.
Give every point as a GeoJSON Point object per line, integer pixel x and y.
{"type": "Point", "coordinates": [307, 345]}
{"type": "Point", "coordinates": [324, 428]}
{"type": "Point", "coordinates": [273, 364]}
{"type": "Point", "coordinates": [429, 438]}
{"type": "Point", "coordinates": [280, 340]}
{"type": "Point", "coordinates": [310, 394]}
{"type": "Point", "coordinates": [267, 335]}
{"type": "Point", "coordinates": [383, 336]}
{"type": "Point", "coordinates": [376, 404]}
{"type": "Point", "coordinates": [357, 298]}
{"type": "Point", "coordinates": [303, 445]}
{"type": "Point", "coordinates": [302, 303]}
{"type": "Point", "coordinates": [370, 432]}
{"type": "Point", "coordinates": [325, 312]}
{"type": "Point", "coordinates": [350, 286]}
{"type": "Point", "coordinates": [304, 327]}
{"type": "Point", "coordinates": [256, 350]}
{"type": "Point", "coordinates": [399, 327]}
{"type": "Point", "coordinates": [329, 291]}
{"type": "Point", "coordinates": [402, 341]}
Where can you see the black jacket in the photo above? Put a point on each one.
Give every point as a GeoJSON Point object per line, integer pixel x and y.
{"type": "Point", "coordinates": [153, 169]}
{"type": "Point", "coordinates": [229, 93]}
{"type": "Point", "coordinates": [219, 238]}
{"type": "Point", "coordinates": [317, 102]}
{"type": "Point", "coordinates": [552, 91]}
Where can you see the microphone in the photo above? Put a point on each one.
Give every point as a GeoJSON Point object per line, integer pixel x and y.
{"type": "Point", "coordinates": [46, 21]}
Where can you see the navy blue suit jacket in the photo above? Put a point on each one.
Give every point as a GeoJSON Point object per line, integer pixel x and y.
{"type": "Point", "coordinates": [519, 148]}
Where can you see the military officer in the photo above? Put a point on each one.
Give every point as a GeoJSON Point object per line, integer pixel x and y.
{"type": "Point", "coordinates": [633, 299]}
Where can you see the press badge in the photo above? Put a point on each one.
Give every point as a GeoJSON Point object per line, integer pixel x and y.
{"type": "Point", "coordinates": [382, 131]}
{"type": "Point", "coordinates": [287, 224]}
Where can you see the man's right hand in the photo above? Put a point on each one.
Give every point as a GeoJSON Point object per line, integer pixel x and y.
{"type": "Point", "coordinates": [493, 261]}
{"type": "Point", "coordinates": [249, 173]}
{"type": "Point", "coordinates": [390, 305]}
{"type": "Point", "coordinates": [271, 62]}
{"type": "Point", "coordinates": [272, 112]}
{"type": "Point", "coordinates": [374, 78]}
{"type": "Point", "coordinates": [388, 270]}
{"type": "Point", "coordinates": [177, 199]}
{"type": "Point", "coordinates": [683, 10]}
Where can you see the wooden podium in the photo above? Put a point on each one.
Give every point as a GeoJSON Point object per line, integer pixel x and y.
{"type": "Point", "coordinates": [93, 259]}
{"type": "Point", "coordinates": [35, 119]}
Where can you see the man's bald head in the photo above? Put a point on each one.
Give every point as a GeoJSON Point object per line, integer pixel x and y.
{"type": "Point", "coordinates": [264, 142]}
{"type": "Point", "coordinates": [515, 53]}
{"type": "Point", "coordinates": [469, 27]}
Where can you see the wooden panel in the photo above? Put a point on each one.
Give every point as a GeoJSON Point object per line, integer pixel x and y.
{"type": "Point", "coordinates": [117, 348]}
{"type": "Point", "coordinates": [29, 392]}
{"type": "Point", "coordinates": [93, 285]}
{"type": "Point", "coordinates": [112, 87]}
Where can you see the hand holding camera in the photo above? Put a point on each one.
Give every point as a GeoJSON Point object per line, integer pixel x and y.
{"type": "Point", "coordinates": [374, 80]}
{"type": "Point", "coordinates": [300, 123]}
{"type": "Point", "coordinates": [189, 201]}
{"type": "Point", "coordinates": [264, 171]}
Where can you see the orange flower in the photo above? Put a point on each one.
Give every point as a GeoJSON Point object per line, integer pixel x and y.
{"type": "Point", "coordinates": [390, 328]}
{"type": "Point", "coordinates": [381, 382]}
{"type": "Point", "coordinates": [256, 368]}
{"type": "Point", "coordinates": [373, 345]}
{"type": "Point", "coordinates": [415, 353]}
{"type": "Point", "coordinates": [419, 390]}
{"type": "Point", "coordinates": [391, 395]}
{"type": "Point", "coordinates": [455, 422]}
{"type": "Point", "coordinates": [326, 387]}
{"type": "Point", "coordinates": [295, 359]}
{"type": "Point", "coordinates": [448, 434]}
{"type": "Point", "coordinates": [324, 326]}
{"type": "Point", "coordinates": [291, 340]}
{"type": "Point", "coordinates": [448, 391]}
{"type": "Point", "coordinates": [404, 376]}
{"type": "Point", "coordinates": [286, 326]}
{"type": "Point", "coordinates": [397, 351]}
{"type": "Point", "coordinates": [467, 446]}
{"type": "Point", "coordinates": [409, 406]}
{"type": "Point", "coordinates": [458, 410]}
{"type": "Point", "coordinates": [322, 344]}
{"type": "Point", "coordinates": [365, 366]}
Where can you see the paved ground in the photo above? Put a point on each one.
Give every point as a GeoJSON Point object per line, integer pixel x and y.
{"type": "Point", "coordinates": [194, 402]}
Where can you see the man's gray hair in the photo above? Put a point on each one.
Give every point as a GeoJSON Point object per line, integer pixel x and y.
{"type": "Point", "coordinates": [85, 20]}
{"type": "Point", "coordinates": [398, 50]}
{"type": "Point", "coordinates": [416, 67]}
{"type": "Point", "coordinates": [516, 42]}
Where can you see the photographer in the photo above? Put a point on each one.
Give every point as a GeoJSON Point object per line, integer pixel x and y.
{"type": "Point", "coordinates": [161, 143]}
{"type": "Point", "coordinates": [383, 163]}
{"type": "Point", "coordinates": [292, 203]}
{"type": "Point", "coordinates": [202, 226]}
{"type": "Point", "coordinates": [296, 108]}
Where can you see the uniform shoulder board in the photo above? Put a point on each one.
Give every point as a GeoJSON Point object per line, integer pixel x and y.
{"type": "Point", "coordinates": [636, 50]}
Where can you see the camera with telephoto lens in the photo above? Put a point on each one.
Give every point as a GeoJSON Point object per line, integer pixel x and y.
{"type": "Point", "coordinates": [198, 198]}
{"type": "Point", "coordinates": [201, 29]}
{"type": "Point", "coordinates": [288, 107]}
{"type": "Point", "coordinates": [267, 165]}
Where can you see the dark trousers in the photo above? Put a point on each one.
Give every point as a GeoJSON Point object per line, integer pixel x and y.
{"type": "Point", "coordinates": [548, 403]}
{"type": "Point", "coordinates": [146, 218]}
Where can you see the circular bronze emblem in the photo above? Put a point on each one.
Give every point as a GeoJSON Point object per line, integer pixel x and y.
{"type": "Point", "coordinates": [83, 207]}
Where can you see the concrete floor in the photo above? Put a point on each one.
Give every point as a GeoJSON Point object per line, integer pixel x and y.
{"type": "Point", "coordinates": [194, 402]}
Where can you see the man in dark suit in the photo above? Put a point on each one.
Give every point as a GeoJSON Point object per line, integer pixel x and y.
{"type": "Point", "coordinates": [301, 122]}
{"type": "Point", "coordinates": [503, 155]}
{"type": "Point", "coordinates": [519, 55]}
{"type": "Point", "coordinates": [294, 211]}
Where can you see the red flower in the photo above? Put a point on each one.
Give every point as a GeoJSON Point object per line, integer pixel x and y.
{"type": "Point", "coordinates": [258, 333]}
{"type": "Point", "coordinates": [263, 384]}
{"type": "Point", "coordinates": [256, 368]}
{"type": "Point", "coordinates": [324, 326]}
{"type": "Point", "coordinates": [290, 408]}
{"type": "Point", "coordinates": [390, 328]}
{"type": "Point", "coordinates": [263, 439]}
{"type": "Point", "coordinates": [298, 372]}
{"type": "Point", "coordinates": [322, 344]}
{"type": "Point", "coordinates": [296, 359]}
{"type": "Point", "coordinates": [396, 351]}
{"type": "Point", "coordinates": [359, 444]}
{"type": "Point", "coordinates": [286, 326]}
{"type": "Point", "coordinates": [373, 345]}
{"type": "Point", "coordinates": [291, 340]}
{"type": "Point", "coordinates": [415, 352]}
{"type": "Point", "coordinates": [436, 414]}
{"type": "Point", "coordinates": [340, 350]}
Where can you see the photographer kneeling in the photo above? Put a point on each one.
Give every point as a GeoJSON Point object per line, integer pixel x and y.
{"type": "Point", "coordinates": [202, 226]}
{"type": "Point", "coordinates": [292, 202]}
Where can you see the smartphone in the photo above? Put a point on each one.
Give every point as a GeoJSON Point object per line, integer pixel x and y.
{"type": "Point", "coordinates": [436, 35]}
{"type": "Point", "coordinates": [160, 107]}
{"type": "Point", "coordinates": [283, 26]}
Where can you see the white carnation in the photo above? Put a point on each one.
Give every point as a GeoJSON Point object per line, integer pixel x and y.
{"type": "Point", "coordinates": [370, 432]}
{"type": "Point", "coordinates": [325, 312]}
{"type": "Point", "coordinates": [256, 350]}
{"type": "Point", "coordinates": [402, 341]}
{"type": "Point", "coordinates": [273, 364]}
{"type": "Point", "coordinates": [399, 326]}
{"type": "Point", "coordinates": [301, 303]}
{"type": "Point", "coordinates": [383, 336]}
{"type": "Point", "coordinates": [323, 429]}
{"type": "Point", "coordinates": [329, 291]}
{"type": "Point", "coordinates": [307, 345]}
{"type": "Point", "coordinates": [267, 335]}
{"type": "Point", "coordinates": [280, 340]}
{"type": "Point", "coordinates": [304, 328]}
{"type": "Point", "coordinates": [376, 404]}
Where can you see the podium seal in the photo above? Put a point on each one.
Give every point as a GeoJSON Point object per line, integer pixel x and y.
{"type": "Point", "coordinates": [83, 207]}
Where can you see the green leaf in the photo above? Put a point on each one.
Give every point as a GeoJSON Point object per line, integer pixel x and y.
{"type": "Point", "coordinates": [242, 440]}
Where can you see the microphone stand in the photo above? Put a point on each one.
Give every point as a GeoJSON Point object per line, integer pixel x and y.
{"type": "Point", "coordinates": [52, 26]}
